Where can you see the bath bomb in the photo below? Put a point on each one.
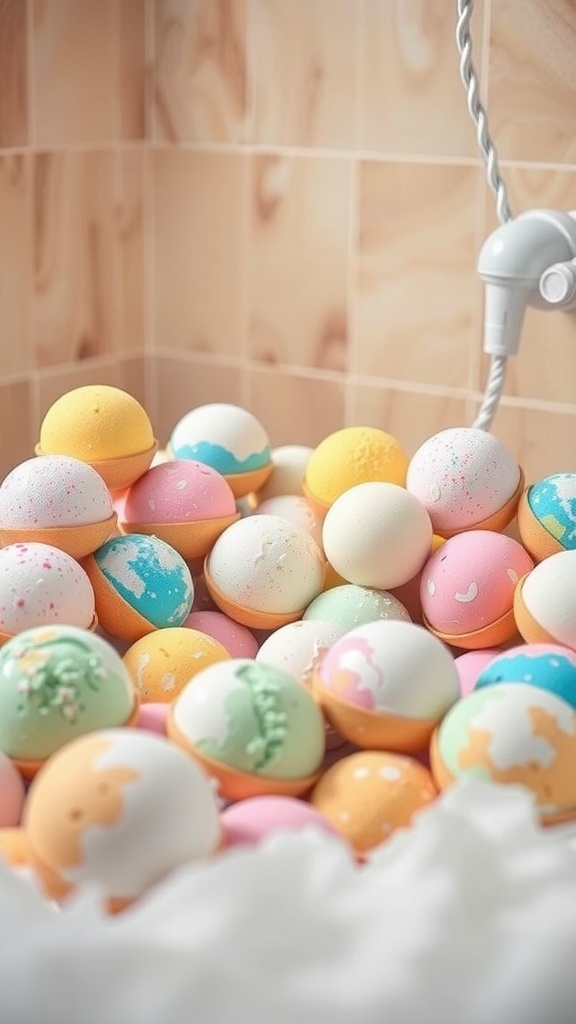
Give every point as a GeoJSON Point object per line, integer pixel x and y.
{"type": "Point", "coordinates": [57, 683]}
{"type": "Point", "coordinates": [296, 647]}
{"type": "Point", "coordinates": [56, 500]}
{"type": "Point", "coordinates": [263, 571]}
{"type": "Point", "coordinates": [466, 478]}
{"type": "Point", "coordinates": [377, 535]}
{"type": "Point", "coordinates": [12, 793]}
{"type": "Point", "coordinates": [349, 606]}
{"type": "Point", "coordinates": [152, 717]}
{"type": "Point", "coordinates": [103, 426]}
{"type": "Point", "coordinates": [468, 586]}
{"type": "Point", "coordinates": [161, 663]}
{"type": "Point", "coordinates": [184, 502]}
{"type": "Point", "coordinates": [119, 810]}
{"type": "Point", "coordinates": [41, 585]}
{"type": "Point", "coordinates": [254, 728]}
{"type": "Point", "coordinates": [547, 516]}
{"type": "Point", "coordinates": [288, 467]}
{"type": "Point", "coordinates": [141, 584]}
{"type": "Point", "coordinates": [545, 601]}
{"type": "Point", "coordinates": [512, 734]}
{"type": "Point", "coordinates": [297, 510]}
{"type": "Point", "coordinates": [470, 665]}
{"type": "Point", "coordinates": [552, 667]}
{"type": "Point", "coordinates": [238, 640]}
{"type": "Point", "coordinates": [369, 795]}
{"type": "Point", "coordinates": [350, 456]}
{"type": "Point", "coordinates": [385, 685]}
{"type": "Point", "coordinates": [251, 821]}
{"type": "Point", "coordinates": [228, 438]}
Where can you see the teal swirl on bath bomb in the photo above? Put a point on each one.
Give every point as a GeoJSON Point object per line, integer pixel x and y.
{"type": "Point", "coordinates": [252, 717]}
{"type": "Point", "coordinates": [226, 437]}
{"type": "Point", "coordinates": [57, 683]}
{"type": "Point", "coordinates": [150, 575]}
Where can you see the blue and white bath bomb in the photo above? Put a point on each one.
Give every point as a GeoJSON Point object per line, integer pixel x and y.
{"type": "Point", "coordinates": [547, 516]}
{"type": "Point", "coordinates": [229, 439]}
{"type": "Point", "coordinates": [550, 667]}
{"type": "Point", "coordinates": [140, 584]}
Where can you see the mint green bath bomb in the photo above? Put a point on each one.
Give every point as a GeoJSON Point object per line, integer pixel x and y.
{"type": "Point", "coordinates": [252, 717]}
{"type": "Point", "coordinates": [350, 605]}
{"type": "Point", "coordinates": [57, 683]}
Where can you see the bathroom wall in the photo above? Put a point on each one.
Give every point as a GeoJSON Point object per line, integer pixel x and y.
{"type": "Point", "coordinates": [277, 203]}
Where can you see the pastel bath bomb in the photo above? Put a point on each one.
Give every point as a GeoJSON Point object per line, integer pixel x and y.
{"type": "Point", "coordinates": [297, 647]}
{"type": "Point", "coordinates": [289, 463]}
{"type": "Point", "coordinates": [545, 601]}
{"type": "Point", "coordinates": [386, 684]}
{"type": "Point", "coordinates": [228, 438]}
{"type": "Point", "coordinates": [161, 663]}
{"type": "Point", "coordinates": [238, 640]}
{"type": "Point", "coordinates": [468, 585]}
{"type": "Point", "coordinates": [57, 683]}
{"type": "Point", "coordinates": [12, 793]}
{"type": "Point", "coordinates": [349, 606]}
{"type": "Point", "coordinates": [95, 423]}
{"type": "Point", "coordinates": [53, 492]}
{"type": "Point", "coordinates": [464, 476]}
{"type": "Point", "coordinates": [177, 492]}
{"type": "Point", "coordinates": [264, 566]}
{"type": "Point", "coordinates": [512, 734]}
{"type": "Point", "coordinates": [351, 456]}
{"type": "Point", "coordinates": [297, 510]}
{"type": "Point", "coordinates": [369, 795]}
{"type": "Point", "coordinates": [470, 665]}
{"type": "Point", "coordinates": [547, 515]}
{"type": "Point", "coordinates": [41, 585]}
{"type": "Point", "coordinates": [552, 667]}
{"type": "Point", "coordinates": [120, 809]}
{"type": "Point", "coordinates": [141, 584]}
{"type": "Point", "coordinates": [377, 535]}
{"type": "Point", "coordinates": [252, 718]}
{"type": "Point", "coordinates": [249, 822]}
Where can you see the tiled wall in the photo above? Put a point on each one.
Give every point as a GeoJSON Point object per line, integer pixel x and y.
{"type": "Point", "coordinates": [277, 203]}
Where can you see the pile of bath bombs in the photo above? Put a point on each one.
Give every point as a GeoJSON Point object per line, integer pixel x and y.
{"type": "Point", "coordinates": [207, 643]}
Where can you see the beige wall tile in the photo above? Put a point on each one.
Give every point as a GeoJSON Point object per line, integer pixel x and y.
{"type": "Point", "coordinates": [15, 264]}
{"type": "Point", "coordinates": [299, 263]}
{"type": "Point", "coordinates": [418, 300]}
{"type": "Point", "coordinates": [295, 409]}
{"type": "Point", "coordinates": [131, 376]}
{"type": "Point", "coordinates": [132, 50]}
{"type": "Point", "coordinates": [180, 384]}
{"type": "Point", "coordinates": [77, 259]}
{"type": "Point", "coordinates": [306, 72]}
{"type": "Point", "coordinates": [16, 425]}
{"type": "Point", "coordinates": [542, 441]}
{"type": "Point", "coordinates": [410, 416]}
{"type": "Point", "coordinates": [533, 79]}
{"type": "Point", "coordinates": [545, 367]}
{"type": "Point", "coordinates": [13, 74]}
{"type": "Point", "coordinates": [201, 77]}
{"type": "Point", "coordinates": [412, 98]}
{"type": "Point", "coordinates": [130, 226]}
{"type": "Point", "coordinates": [201, 212]}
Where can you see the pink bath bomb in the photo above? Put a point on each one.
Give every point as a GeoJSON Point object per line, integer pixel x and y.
{"type": "Point", "coordinates": [152, 717]}
{"type": "Point", "coordinates": [250, 821]}
{"type": "Point", "coordinates": [12, 793]}
{"type": "Point", "coordinates": [179, 491]}
{"type": "Point", "coordinates": [234, 637]}
{"type": "Point", "coordinates": [470, 664]}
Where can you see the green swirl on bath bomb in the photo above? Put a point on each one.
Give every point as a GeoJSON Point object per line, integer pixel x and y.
{"type": "Point", "coordinates": [57, 683]}
{"type": "Point", "coordinates": [266, 723]}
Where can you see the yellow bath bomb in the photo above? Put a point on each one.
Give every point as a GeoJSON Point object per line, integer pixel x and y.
{"type": "Point", "coordinates": [353, 455]}
{"type": "Point", "coordinates": [96, 423]}
{"type": "Point", "coordinates": [162, 662]}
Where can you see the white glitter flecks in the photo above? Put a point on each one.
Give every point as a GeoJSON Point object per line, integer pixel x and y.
{"type": "Point", "coordinates": [431, 587]}
{"type": "Point", "coordinates": [512, 575]}
{"type": "Point", "coordinates": [361, 773]}
{"type": "Point", "coordinates": [434, 491]}
{"type": "Point", "coordinates": [389, 772]}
